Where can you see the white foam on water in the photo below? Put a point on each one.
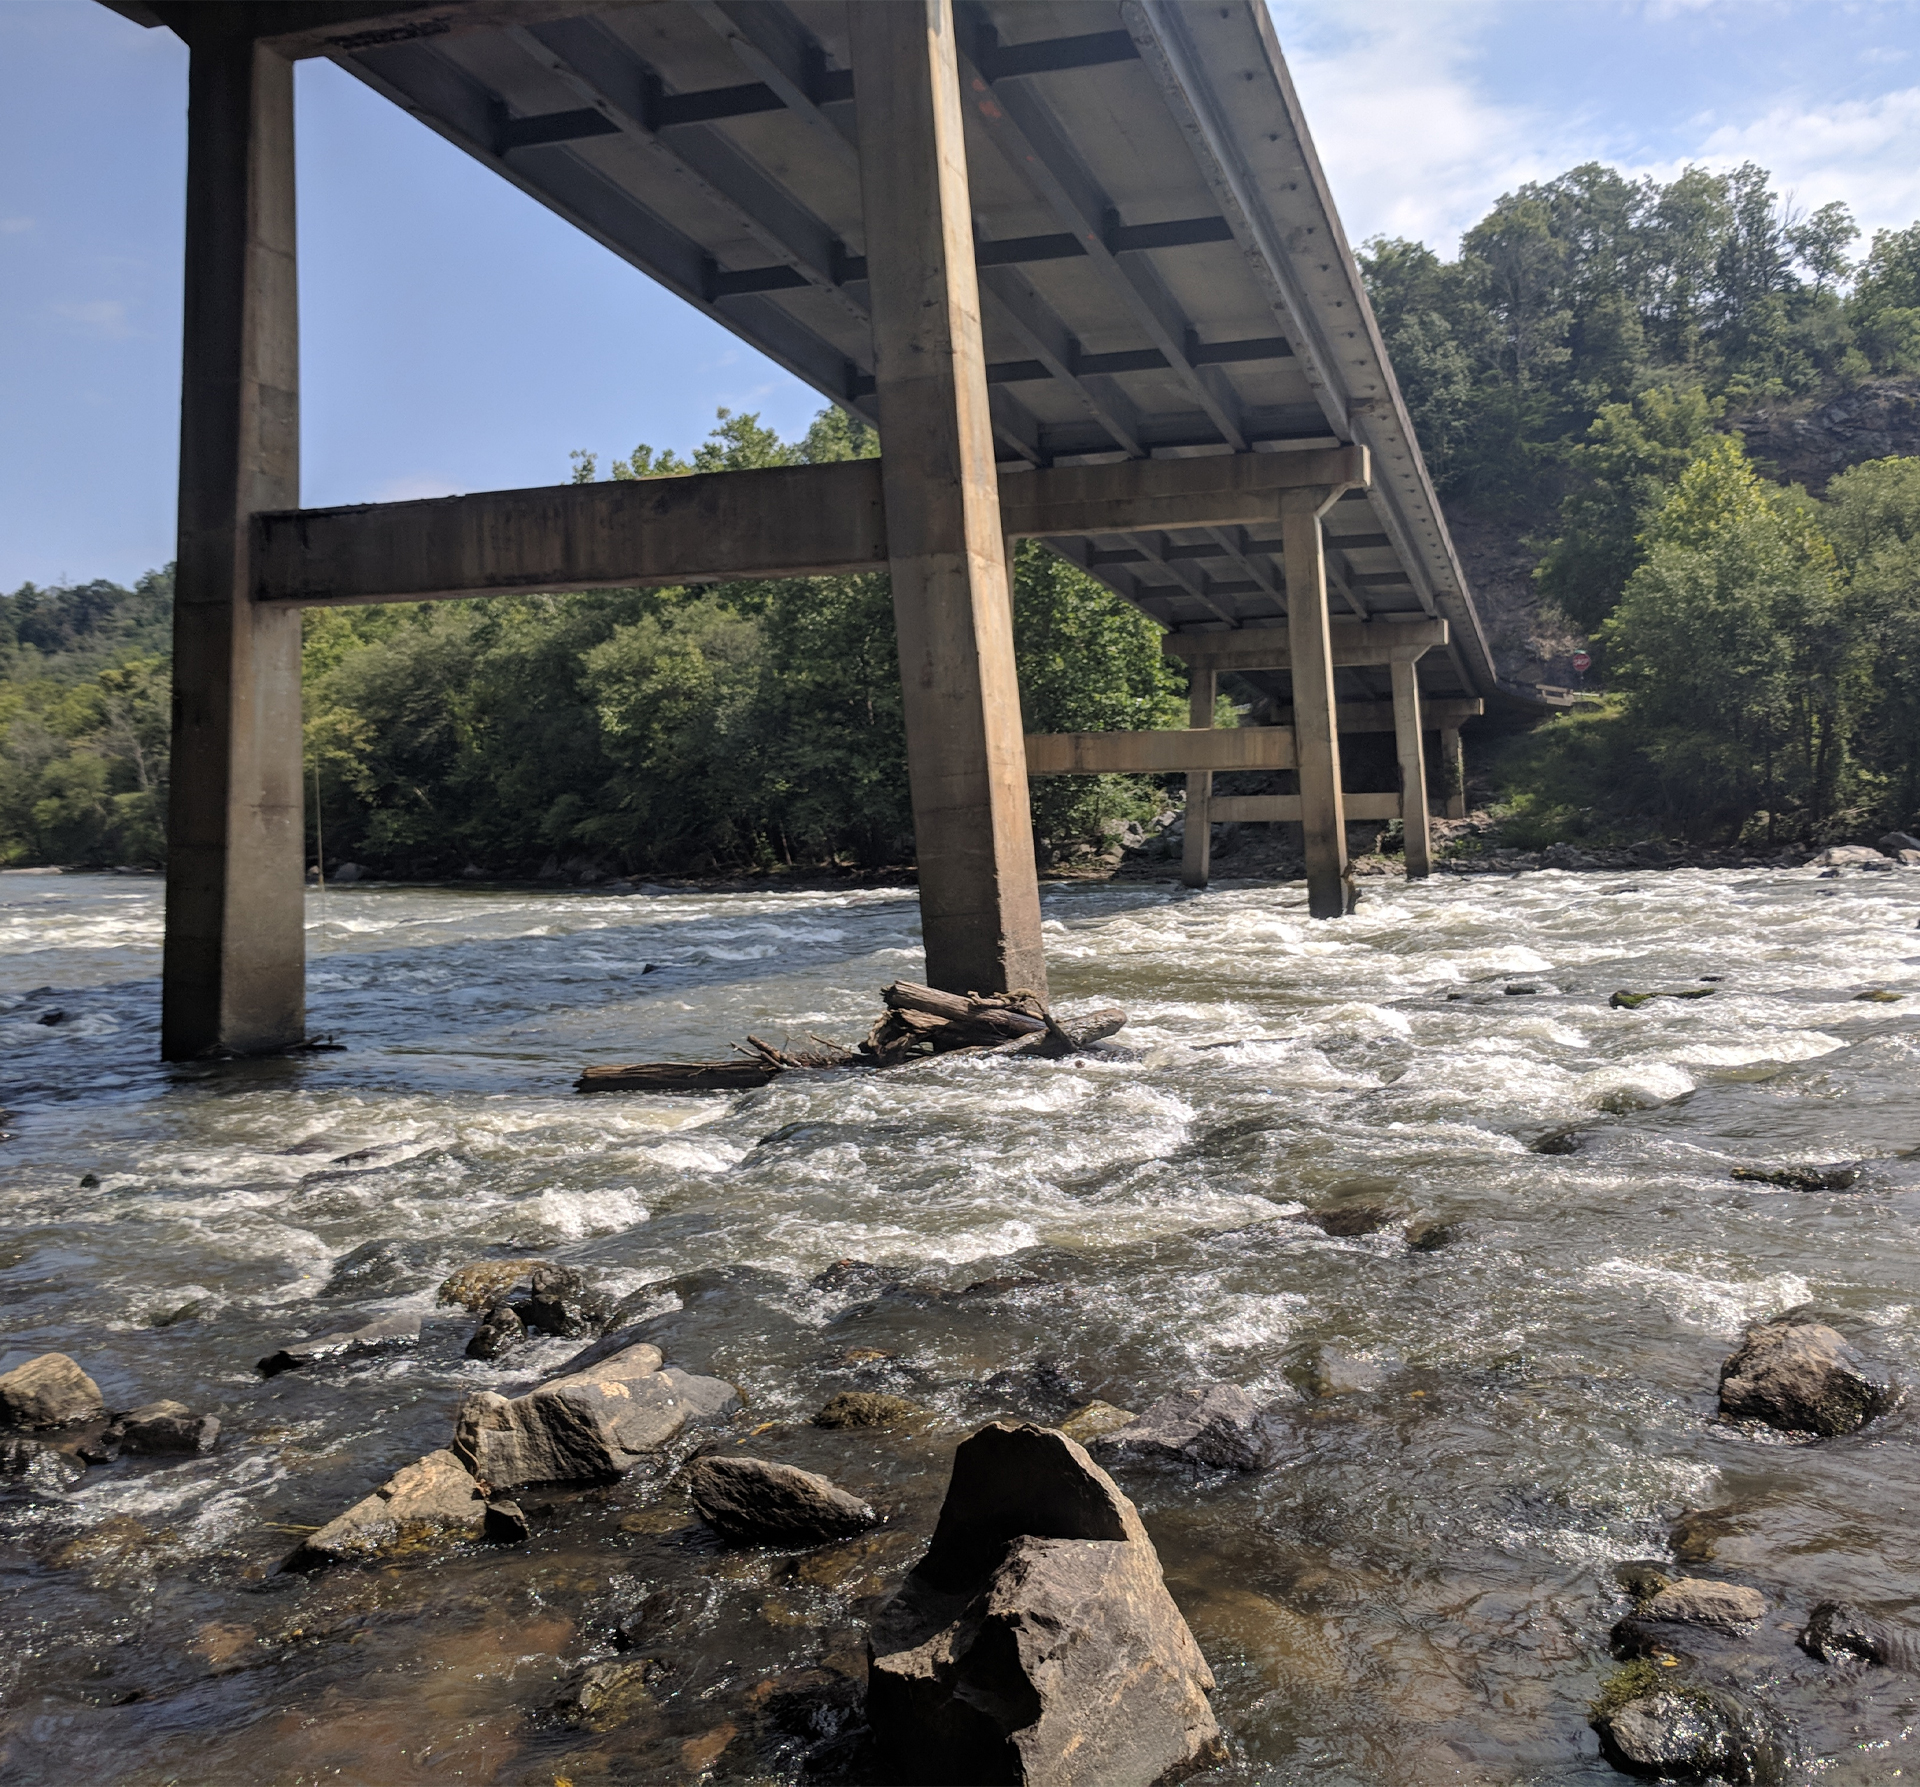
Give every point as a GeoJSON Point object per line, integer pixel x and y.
{"type": "Point", "coordinates": [1720, 1305]}
{"type": "Point", "coordinates": [574, 1215]}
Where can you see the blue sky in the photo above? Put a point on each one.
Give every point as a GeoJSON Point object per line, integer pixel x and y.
{"type": "Point", "coordinates": [456, 337]}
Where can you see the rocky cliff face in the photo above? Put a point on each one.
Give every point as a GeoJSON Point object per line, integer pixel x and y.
{"type": "Point", "coordinates": [1805, 443]}
{"type": "Point", "coordinates": [1808, 443]}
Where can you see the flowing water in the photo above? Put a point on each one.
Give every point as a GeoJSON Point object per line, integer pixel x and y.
{"type": "Point", "coordinates": [1420, 1592]}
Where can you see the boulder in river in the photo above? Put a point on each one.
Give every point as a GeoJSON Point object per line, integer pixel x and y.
{"type": "Point", "coordinates": [1220, 1426]}
{"type": "Point", "coordinates": [1802, 1377]}
{"type": "Point", "coordinates": [1836, 1631]}
{"type": "Point", "coordinates": [475, 1286]}
{"type": "Point", "coordinates": [1088, 1422]}
{"type": "Point", "coordinates": [1035, 1642]}
{"type": "Point", "coordinates": [754, 1501]}
{"type": "Point", "coordinates": [43, 1465]}
{"type": "Point", "coordinates": [429, 1502]}
{"type": "Point", "coordinates": [50, 1391]}
{"type": "Point", "coordinates": [165, 1427]}
{"type": "Point", "coordinates": [501, 1330]}
{"type": "Point", "coordinates": [866, 1408]}
{"type": "Point", "coordinates": [1694, 1600]}
{"type": "Point", "coordinates": [377, 1336]}
{"type": "Point", "coordinates": [589, 1426]}
{"type": "Point", "coordinates": [1840, 1177]}
{"type": "Point", "coordinates": [1688, 1733]}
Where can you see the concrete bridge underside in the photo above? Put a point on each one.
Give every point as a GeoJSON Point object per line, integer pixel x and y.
{"type": "Point", "coordinates": [1075, 259]}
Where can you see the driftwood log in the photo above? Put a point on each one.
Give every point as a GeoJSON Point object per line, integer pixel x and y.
{"type": "Point", "coordinates": [919, 1024]}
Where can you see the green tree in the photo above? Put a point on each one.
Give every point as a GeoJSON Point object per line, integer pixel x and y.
{"type": "Point", "coordinates": [1732, 647]}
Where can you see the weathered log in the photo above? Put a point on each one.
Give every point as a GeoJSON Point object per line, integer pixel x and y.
{"type": "Point", "coordinates": [679, 1076]}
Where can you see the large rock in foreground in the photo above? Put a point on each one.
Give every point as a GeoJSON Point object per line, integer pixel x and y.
{"type": "Point", "coordinates": [416, 1509]}
{"type": "Point", "coordinates": [1802, 1377]}
{"type": "Point", "coordinates": [588, 1426]}
{"type": "Point", "coordinates": [756, 1502]}
{"type": "Point", "coordinates": [50, 1391]}
{"type": "Point", "coordinates": [1035, 1642]}
{"type": "Point", "coordinates": [1690, 1733]}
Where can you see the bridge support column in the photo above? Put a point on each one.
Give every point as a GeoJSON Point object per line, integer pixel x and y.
{"type": "Point", "coordinates": [235, 957]}
{"type": "Point", "coordinates": [1316, 741]}
{"type": "Point", "coordinates": [1196, 851]}
{"type": "Point", "coordinates": [1410, 742]}
{"type": "Point", "coordinates": [966, 753]}
{"type": "Point", "coordinates": [1453, 762]}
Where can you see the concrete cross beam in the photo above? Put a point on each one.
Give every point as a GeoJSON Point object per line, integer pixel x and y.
{"type": "Point", "coordinates": [1353, 643]}
{"type": "Point", "coordinates": [1158, 753]}
{"type": "Point", "coordinates": [786, 521]}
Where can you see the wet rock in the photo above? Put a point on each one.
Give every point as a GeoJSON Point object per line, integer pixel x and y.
{"type": "Point", "coordinates": [1330, 1372]}
{"type": "Point", "coordinates": [1219, 1426]}
{"type": "Point", "coordinates": [1045, 1384]}
{"type": "Point", "coordinates": [481, 1283]}
{"type": "Point", "coordinates": [754, 1501]}
{"type": "Point", "coordinates": [1841, 1177]}
{"type": "Point", "coordinates": [563, 1302]}
{"type": "Point", "coordinates": [1630, 1001]}
{"type": "Point", "coordinates": [866, 1408]}
{"type": "Point", "coordinates": [1347, 1220]}
{"type": "Point", "coordinates": [1036, 1642]}
{"type": "Point", "coordinates": [1085, 1425]}
{"type": "Point", "coordinates": [1690, 1733]}
{"type": "Point", "coordinates": [505, 1523]}
{"type": "Point", "coordinates": [605, 1696]}
{"type": "Point", "coordinates": [1897, 841]}
{"type": "Point", "coordinates": [1878, 996]}
{"type": "Point", "coordinates": [348, 871]}
{"type": "Point", "coordinates": [430, 1502]}
{"type": "Point", "coordinates": [1836, 1631]}
{"type": "Point", "coordinates": [165, 1427]}
{"type": "Point", "coordinates": [50, 1391]}
{"type": "Point", "coordinates": [501, 1330]}
{"type": "Point", "coordinates": [383, 1335]}
{"type": "Point", "coordinates": [378, 1269]}
{"type": "Point", "coordinates": [1431, 1236]}
{"type": "Point", "coordinates": [1559, 1141]}
{"type": "Point", "coordinates": [1643, 1578]}
{"type": "Point", "coordinates": [1694, 1600]}
{"type": "Point", "coordinates": [1802, 1377]}
{"type": "Point", "coordinates": [43, 1465]}
{"type": "Point", "coordinates": [588, 1427]}
{"type": "Point", "coordinates": [1841, 855]}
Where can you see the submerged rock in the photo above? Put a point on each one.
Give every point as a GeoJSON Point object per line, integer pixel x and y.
{"type": "Point", "coordinates": [1086, 1424]}
{"type": "Point", "coordinates": [165, 1427]}
{"type": "Point", "coordinates": [1688, 1733]}
{"type": "Point", "coordinates": [426, 1504]}
{"type": "Point", "coordinates": [1836, 1631]}
{"type": "Point", "coordinates": [1802, 1377]}
{"type": "Point", "coordinates": [1824, 1178]}
{"type": "Point", "coordinates": [1694, 1600]}
{"type": "Point", "coordinates": [475, 1286]}
{"type": "Point", "coordinates": [50, 1391]}
{"type": "Point", "coordinates": [371, 1337]}
{"type": "Point", "coordinates": [587, 1427]}
{"type": "Point", "coordinates": [42, 1465]}
{"type": "Point", "coordinates": [1035, 1642]}
{"type": "Point", "coordinates": [605, 1696]}
{"type": "Point", "coordinates": [1347, 1220]}
{"type": "Point", "coordinates": [754, 1501]}
{"type": "Point", "coordinates": [866, 1408]}
{"type": "Point", "coordinates": [1430, 1237]}
{"type": "Point", "coordinates": [1219, 1426]}
{"type": "Point", "coordinates": [501, 1330]}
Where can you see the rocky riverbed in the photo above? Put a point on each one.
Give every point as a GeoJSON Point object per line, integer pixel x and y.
{"type": "Point", "coordinates": [1521, 1371]}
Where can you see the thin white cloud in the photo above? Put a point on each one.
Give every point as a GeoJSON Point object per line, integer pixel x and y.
{"type": "Point", "coordinates": [1411, 145]}
{"type": "Point", "coordinates": [104, 317]}
{"type": "Point", "coordinates": [15, 226]}
{"type": "Point", "coordinates": [1866, 152]}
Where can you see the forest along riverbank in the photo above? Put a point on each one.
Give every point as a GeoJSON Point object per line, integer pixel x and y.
{"type": "Point", "coordinates": [1417, 1169]}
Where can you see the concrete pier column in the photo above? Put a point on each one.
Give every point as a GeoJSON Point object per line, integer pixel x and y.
{"type": "Point", "coordinates": [1196, 853]}
{"type": "Point", "coordinates": [1316, 741]}
{"type": "Point", "coordinates": [1453, 762]}
{"type": "Point", "coordinates": [235, 961]}
{"type": "Point", "coordinates": [966, 755]}
{"type": "Point", "coordinates": [1410, 742]}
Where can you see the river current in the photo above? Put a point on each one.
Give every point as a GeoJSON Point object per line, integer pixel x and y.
{"type": "Point", "coordinates": [1419, 1593]}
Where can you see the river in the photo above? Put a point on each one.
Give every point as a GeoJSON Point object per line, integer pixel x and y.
{"type": "Point", "coordinates": [1419, 1593]}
